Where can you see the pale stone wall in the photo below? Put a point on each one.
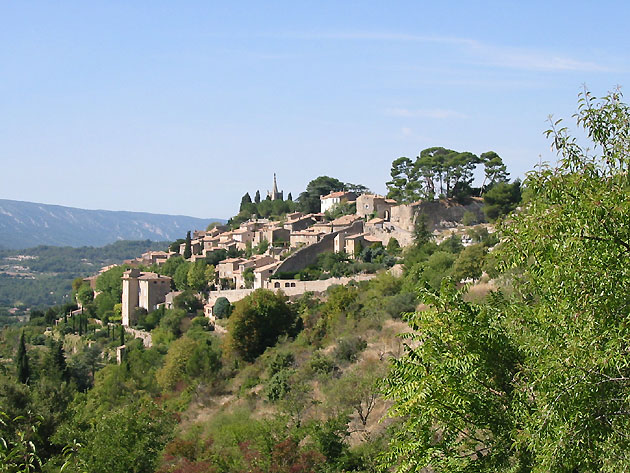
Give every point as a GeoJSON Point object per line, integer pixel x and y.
{"type": "Point", "coordinates": [153, 292]}
{"type": "Point", "coordinates": [308, 255]}
{"type": "Point", "coordinates": [130, 296]}
{"type": "Point", "coordinates": [290, 287]}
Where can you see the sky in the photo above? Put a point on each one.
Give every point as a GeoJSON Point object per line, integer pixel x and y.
{"type": "Point", "coordinates": [182, 107]}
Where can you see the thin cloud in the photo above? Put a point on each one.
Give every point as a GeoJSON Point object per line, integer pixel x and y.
{"type": "Point", "coordinates": [479, 52]}
{"type": "Point", "coordinates": [435, 113]}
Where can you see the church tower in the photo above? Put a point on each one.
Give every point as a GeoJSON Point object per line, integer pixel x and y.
{"type": "Point", "coordinates": [274, 194]}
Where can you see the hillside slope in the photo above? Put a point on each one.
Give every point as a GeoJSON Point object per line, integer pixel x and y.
{"type": "Point", "coordinates": [28, 224]}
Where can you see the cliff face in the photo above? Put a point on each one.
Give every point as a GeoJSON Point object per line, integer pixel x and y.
{"type": "Point", "coordinates": [27, 224]}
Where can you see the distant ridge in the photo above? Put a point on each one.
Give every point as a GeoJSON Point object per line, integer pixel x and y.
{"type": "Point", "coordinates": [28, 224]}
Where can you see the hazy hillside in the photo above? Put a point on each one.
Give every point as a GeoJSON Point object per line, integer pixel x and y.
{"type": "Point", "coordinates": [28, 224]}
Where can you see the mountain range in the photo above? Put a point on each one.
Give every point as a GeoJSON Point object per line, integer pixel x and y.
{"type": "Point", "coordinates": [29, 224]}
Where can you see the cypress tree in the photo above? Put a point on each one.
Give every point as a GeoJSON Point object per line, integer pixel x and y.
{"type": "Point", "coordinates": [23, 370]}
{"type": "Point", "coordinates": [73, 328]}
{"type": "Point", "coordinates": [187, 249]}
{"type": "Point", "coordinates": [80, 324]}
{"type": "Point", "coordinates": [122, 335]}
{"type": "Point", "coordinates": [246, 199]}
{"type": "Point", "coordinates": [257, 197]}
{"type": "Point", "coordinates": [289, 197]}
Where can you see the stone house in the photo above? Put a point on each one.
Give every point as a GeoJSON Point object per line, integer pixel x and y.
{"type": "Point", "coordinates": [263, 273]}
{"type": "Point", "coordinates": [305, 237]}
{"type": "Point", "coordinates": [334, 198]}
{"type": "Point", "coordinates": [142, 290]}
{"type": "Point", "coordinates": [377, 205]}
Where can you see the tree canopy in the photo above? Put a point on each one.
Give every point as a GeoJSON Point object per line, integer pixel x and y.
{"type": "Point", "coordinates": [537, 378]}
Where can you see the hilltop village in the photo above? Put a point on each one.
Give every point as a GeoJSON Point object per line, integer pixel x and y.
{"type": "Point", "coordinates": [285, 247]}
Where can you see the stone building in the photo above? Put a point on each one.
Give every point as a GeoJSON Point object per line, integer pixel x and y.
{"type": "Point", "coordinates": [335, 198]}
{"type": "Point", "coordinates": [374, 205]}
{"type": "Point", "coordinates": [142, 290]}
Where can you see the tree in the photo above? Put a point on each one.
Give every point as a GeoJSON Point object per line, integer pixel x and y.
{"type": "Point", "coordinates": [494, 169]}
{"type": "Point", "coordinates": [469, 263]}
{"type": "Point", "coordinates": [572, 242]}
{"type": "Point", "coordinates": [174, 247]}
{"type": "Point", "coordinates": [222, 308]}
{"type": "Point", "coordinates": [393, 247]}
{"type": "Point", "coordinates": [246, 199]}
{"type": "Point", "coordinates": [537, 378]}
{"type": "Point", "coordinates": [452, 392]}
{"type": "Point", "coordinates": [128, 438]}
{"type": "Point", "coordinates": [421, 233]}
{"type": "Point", "coordinates": [257, 321]}
{"type": "Point", "coordinates": [180, 278]}
{"type": "Point", "coordinates": [110, 282]}
{"type": "Point", "coordinates": [23, 369]}
{"type": "Point", "coordinates": [404, 185]}
{"type": "Point", "coordinates": [289, 197]}
{"type": "Point", "coordinates": [257, 197]}
{"type": "Point", "coordinates": [85, 295]}
{"type": "Point", "coordinates": [187, 248]}
{"type": "Point", "coordinates": [359, 388]}
{"type": "Point", "coordinates": [199, 274]}
{"type": "Point", "coordinates": [323, 185]}
{"type": "Point", "coordinates": [501, 199]}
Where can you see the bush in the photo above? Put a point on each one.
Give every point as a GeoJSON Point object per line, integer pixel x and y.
{"type": "Point", "coordinates": [222, 308]}
{"type": "Point", "coordinates": [321, 364]}
{"type": "Point", "coordinates": [279, 361]}
{"type": "Point", "coordinates": [279, 385]}
{"type": "Point", "coordinates": [396, 305]}
{"type": "Point", "coordinates": [257, 322]}
{"type": "Point", "coordinates": [348, 349]}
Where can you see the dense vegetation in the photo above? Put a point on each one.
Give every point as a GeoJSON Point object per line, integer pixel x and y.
{"type": "Point", "coordinates": [524, 368]}
{"type": "Point", "coordinates": [46, 274]}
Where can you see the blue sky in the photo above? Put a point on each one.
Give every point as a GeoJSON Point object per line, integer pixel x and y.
{"type": "Point", "coordinates": [182, 107]}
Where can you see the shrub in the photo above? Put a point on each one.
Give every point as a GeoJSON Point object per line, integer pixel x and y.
{"type": "Point", "coordinates": [348, 349]}
{"type": "Point", "coordinates": [222, 308]}
{"type": "Point", "coordinates": [396, 305]}
{"type": "Point", "coordinates": [279, 385]}
{"type": "Point", "coordinates": [279, 361]}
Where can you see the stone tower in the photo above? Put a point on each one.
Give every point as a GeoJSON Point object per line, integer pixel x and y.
{"type": "Point", "coordinates": [274, 194]}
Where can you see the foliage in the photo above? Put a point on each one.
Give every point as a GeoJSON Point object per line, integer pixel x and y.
{"type": "Point", "coordinates": [126, 439]}
{"type": "Point", "coordinates": [501, 199]}
{"type": "Point", "coordinates": [257, 321]}
{"type": "Point", "coordinates": [323, 185]}
{"type": "Point", "coordinates": [49, 273]}
{"type": "Point", "coordinates": [348, 349]}
{"type": "Point", "coordinates": [222, 308]}
{"type": "Point", "coordinates": [538, 381]}
{"type": "Point", "coordinates": [23, 369]}
{"type": "Point", "coordinates": [452, 390]}
{"type": "Point", "coordinates": [469, 263]}
{"type": "Point", "coordinates": [436, 170]}
{"type": "Point", "coordinates": [189, 358]}
{"type": "Point", "coordinates": [187, 247]}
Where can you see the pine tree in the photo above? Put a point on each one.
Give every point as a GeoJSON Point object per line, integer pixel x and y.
{"type": "Point", "coordinates": [257, 197]}
{"type": "Point", "coordinates": [187, 249]}
{"type": "Point", "coordinates": [23, 370]}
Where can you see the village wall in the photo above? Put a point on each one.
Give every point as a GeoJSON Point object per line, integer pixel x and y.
{"type": "Point", "coordinates": [308, 255]}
